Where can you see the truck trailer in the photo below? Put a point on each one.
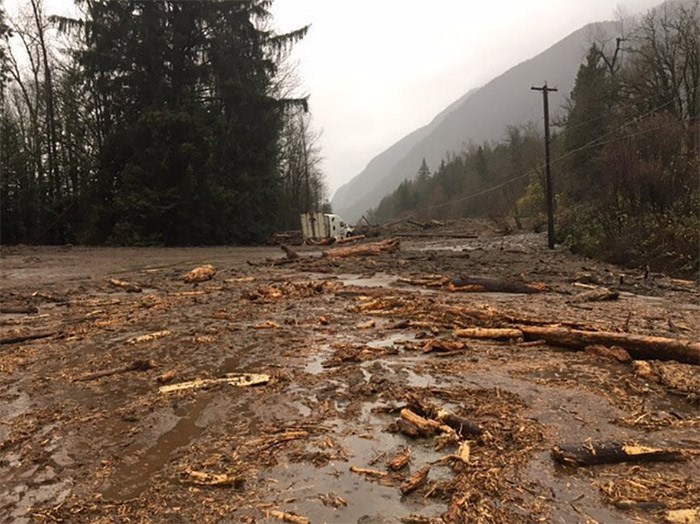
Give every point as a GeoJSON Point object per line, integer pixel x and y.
{"type": "Point", "coordinates": [319, 226]}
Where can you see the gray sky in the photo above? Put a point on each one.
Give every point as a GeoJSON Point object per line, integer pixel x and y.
{"type": "Point", "coordinates": [378, 69]}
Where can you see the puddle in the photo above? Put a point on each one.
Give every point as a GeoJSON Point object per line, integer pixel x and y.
{"type": "Point", "coordinates": [391, 340]}
{"type": "Point", "coordinates": [299, 487]}
{"type": "Point", "coordinates": [132, 478]}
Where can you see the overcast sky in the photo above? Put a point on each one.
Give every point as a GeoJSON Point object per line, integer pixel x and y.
{"type": "Point", "coordinates": [378, 69]}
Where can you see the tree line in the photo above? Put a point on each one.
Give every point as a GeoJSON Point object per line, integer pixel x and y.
{"type": "Point", "coordinates": [152, 123]}
{"type": "Point", "coordinates": [626, 156]}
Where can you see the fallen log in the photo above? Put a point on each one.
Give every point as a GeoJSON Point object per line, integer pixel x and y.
{"type": "Point", "coordinates": [14, 339]}
{"type": "Point", "coordinates": [126, 286]}
{"type": "Point", "coordinates": [496, 285]}
{"type": "Point", "coordinates": [640, 347]}
{"type": "Point", "coordinates": [425, 426]}
{"type": "Point", "coordinates": [138, 365]}
{"type": "Point", "coordinates": [415, 481]}
{"type": "Point", "coordinates": [353, 238]}
{"type": "Point", "coordinates": [389, 245]}
{"type": "Point", "coordinates": [613, 353]}
{"type": "Point", "coordinates": [244, 380]}
{"type": "Point", "coordinates": [490, 333]}
{"type": "Point", "coordinates": [462, 426]}
{"type": "Point", "coordinates": [592, 454]}
{"type": "Point", "coordinates": [19, 309]}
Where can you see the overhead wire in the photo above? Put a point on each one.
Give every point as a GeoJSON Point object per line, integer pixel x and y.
{"type": "Point", "coordinates": [589, 145]}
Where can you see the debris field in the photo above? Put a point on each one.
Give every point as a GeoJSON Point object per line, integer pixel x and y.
{"type": "Point", "coordinates": [444, 375]}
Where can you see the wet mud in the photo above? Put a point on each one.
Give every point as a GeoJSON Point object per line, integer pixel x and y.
{"type": "Point", "coordinates": [86, 436]}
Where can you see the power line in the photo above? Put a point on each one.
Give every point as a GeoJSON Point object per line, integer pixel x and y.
{"type": "Point", "coordinates": [590, 145]}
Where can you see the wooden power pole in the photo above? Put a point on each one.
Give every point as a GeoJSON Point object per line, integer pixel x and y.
{"type": "Point", "coordinates": [550, 192]}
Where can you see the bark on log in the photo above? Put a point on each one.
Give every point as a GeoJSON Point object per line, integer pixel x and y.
{"type": "Point", "coordinates": [591, 454]}
{"type": "Point", "coordinates": [486, 284]}
{"type": "Point", "coordinates": [640, 347]}
{"type": "Point", "coordinates": [424, 425]}
{"type": "Point", "coordinates": [490, 333]}
{"type": "Point", "coordinates": [138, 365]}
{"type": "Point", "coordinates": [374, 248]}
{"type": "Point", "coordinates": [19, 309]}
{"type": "Point", "coordinates": [353, 238]}
{"type": "Point", "coordinates": [14, 339]}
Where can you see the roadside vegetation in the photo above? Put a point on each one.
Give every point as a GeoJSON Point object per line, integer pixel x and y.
{"type": "Point", "coordinates": [158, 123]}
{"type": "Point", "coordinates": [625, 157]}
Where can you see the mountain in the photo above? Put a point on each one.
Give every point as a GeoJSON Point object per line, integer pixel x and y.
{"type": "Point", "coordinates": [480, 115]}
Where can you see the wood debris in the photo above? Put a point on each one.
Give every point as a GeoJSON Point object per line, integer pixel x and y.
{"type": "Point", "coordinates": [596, 295]}
{"type": "Point", "coordinates": [639, 346]}
{"type": "Point", "coordinates": [490, 333]}
{"type": "Point", "coordinates": [138, 365]}
{"type": "Point", "coordinates": [683, 516]}
{"type": "Point", "coordinates": [19, 309]}
{"type": "Point", "coordinates": [415, 481]}
{"type": "Point", "coordinates": [292, 518]}
{"type": "Point", "coordinates": [400, 460]}
{"type": "Point", "coordinates": [612, 353]}
{"type": "Point", "coordinates": [202, 478]}
{"type": "Point", "coordinates": [485, 284]}
{"type": "Point", "coordinates": [242, 380]}
{"type": "Point", "coordinates": [368, 472]}
{"type": "Point", "coordinates": [149, 337]}
{"type": "Point", "coordinates": [389, 245]}
{"type": "Point", "coordinates": [442, 345]}
{"type": "Point", "coordinates": [126, 286]}
{"type": "Point", "coordinates": [200, 274]}
{"type": "Point", "coordinates": [591, 454]}
{"type": "Point", "coordinates": [25, 337]}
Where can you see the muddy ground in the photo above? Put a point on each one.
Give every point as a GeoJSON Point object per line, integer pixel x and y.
{"type": "Point", "coordinates": [87, 435]}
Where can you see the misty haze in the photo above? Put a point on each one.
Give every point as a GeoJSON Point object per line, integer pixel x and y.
{"type": "Point", "coordinates": [373, 262]}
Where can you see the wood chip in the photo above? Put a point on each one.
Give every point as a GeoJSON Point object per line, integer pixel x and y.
{"type": "Point", "coordinates": [200, 274]}
{"type": "Point", "coordinates": [293, 518]}
{"type": "Point", "coordinates": [148, 338]}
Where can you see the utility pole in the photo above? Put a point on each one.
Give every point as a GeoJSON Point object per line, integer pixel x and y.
{"type": "Point", "coordinates": [550, 193]}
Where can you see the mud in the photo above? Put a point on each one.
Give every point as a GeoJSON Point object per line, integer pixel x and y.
{"type": "Point", "coordinates": [114, 449]}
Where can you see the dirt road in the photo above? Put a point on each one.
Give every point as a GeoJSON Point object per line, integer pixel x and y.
{"type": "Point", "coordinates": [90, 434]}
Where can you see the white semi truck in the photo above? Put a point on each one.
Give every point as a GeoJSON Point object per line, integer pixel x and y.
{"type": "Point", "coordinates": [319, 226]}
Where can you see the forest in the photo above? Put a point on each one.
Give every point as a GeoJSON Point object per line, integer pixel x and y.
{"type": "Point", "coordinates": [625, 157]}
{"type": "Point", "coordinates": [152, 123]}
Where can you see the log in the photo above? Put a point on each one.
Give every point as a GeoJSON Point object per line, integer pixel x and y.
{"type": "Point", "coordinates": [138, 365]}
{"type": "Point", "coordinates": [353, 238]}
{"type": "Point", "coordinates": [389, 245]}
{"type": "Point", "coordinates": [244, 380]}
{"type": "Point", "coordinates": [14, 339]}
{"type": "Point", "coordinates": [415, 481]}
{"type": "Point", "coordinates": [424, 425]}
{"type": "Point", "coordinates": [490, 333]}
{"type": "Point", "coordinates": [462, 426]}
{"type": "Point", "coordinates": [592, 454]}
{"type": "Point", "coordinates": [126, 286]}
{"type": "Point", "coordinates": [202, 478]}
{"type": "Point", "coordinates": [442, 345]}
{"type": "Point", "coordinates": [640, 347]}
{"type": "Point", "coordinates": [613, 353]}
{"type": "Point", "coordinates": [19, 309]}
{"type": "Point", "coordinates": [497, 285]}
